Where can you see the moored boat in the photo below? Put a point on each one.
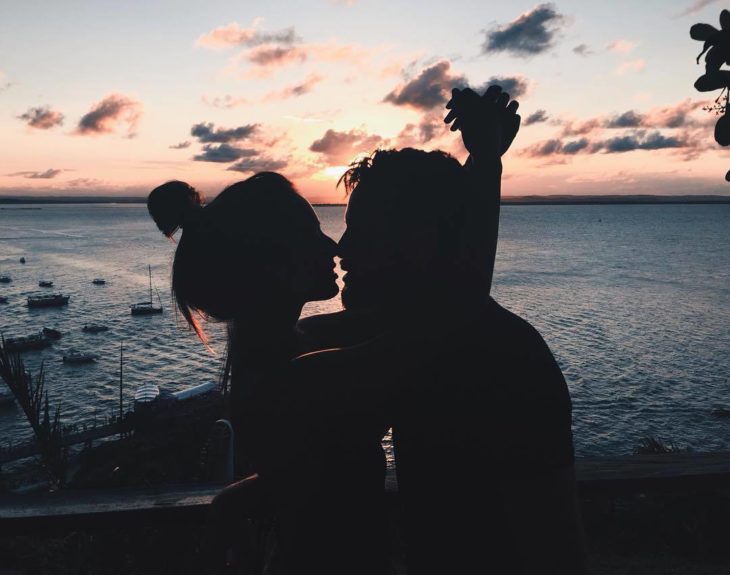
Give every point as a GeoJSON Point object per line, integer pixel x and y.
{"type": "Point", "coordinates": [51, 333]}
{"type": "Point", "coordinates": [3, 299]}
{"type": "Point", "coordinates": [98, 281]}
{"type": "Point", "coordinates": [146, 307]}
{"type": "Point", "coordinates": [51, 300]}
{"type": "Point", "coordinates": [45, 283]}
{"type": "Point", "coordinates": [27, 342]}
{"type": "Point", "coordinates": [5, 279]}
{"type": "Point", "coordinates": [75, 356]}
{"type": "Point", "coordinates": [94, 328]}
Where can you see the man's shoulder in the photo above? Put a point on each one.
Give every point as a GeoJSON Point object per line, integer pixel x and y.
{"type": "Point", "coordinates": [508, 328]}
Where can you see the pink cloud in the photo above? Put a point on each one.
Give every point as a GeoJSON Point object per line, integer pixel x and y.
{"type": "Point", "coordinates": [42, 118]}
{"type": "Point", "coordinates": [428, 90]}
{"type": "Point", "coordinates": [273, 55]}
{"type": "Point", "coordinates": [579, 128]}
{"type": "Point", "coordinates": [233, 34]}
{"type": "Point", "coordinates": [637, 65]}
{"type": "Point", "coordinates": [48, 174]}
{"type": "Point", "coordinates": [296, 90]}
{"type": "Point", "coordinates": [108, 114]}
{"type": "Point", "coordinates": [265, 59]}
{"type": "Point", "coordinates": [339, 148]}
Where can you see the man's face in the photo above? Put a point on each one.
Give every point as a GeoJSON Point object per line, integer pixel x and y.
{"type": "Point", "coordinates": [368, 252]}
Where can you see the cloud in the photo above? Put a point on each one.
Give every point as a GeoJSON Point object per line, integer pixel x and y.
{"type": "Point", "coordinates": [622, 46]}
{"type": "Point", "coordinates": [635, 140]}
{"type": "Point", "coordinates": [531, 33]}
{"type": "Point", "coordinates": [428, 128]}
{"type": "Point", "coordinates": [676, 116]}
{"type": "Point", "coordinates": [226, 102]}
{"type": "Point", "coordinates": [180, 146]}
{"type": "Point", "coordinates": [536, 117]}
{"type": "Point", "coordinates": [580, 128]}
{"type": "Point", "coordinates": [296, 90]}
{"type": "Point", "coordinates": [631, 66]}
{"type": "Point", "coordinates": [679, 115]}
{"type": "Point", "coordinates": [574, 146]}
{"type": "Point", "coordinates": [85, 183]}
{"type": "Point", "coordinates": [105, 116]}
{"type": "Point", "coordinates": [638, 141]}
{"type": "Point", "coordinates": [45, 175]}
{"type": "Point", "coordinates": [339, 148]}
{"type": "Point", "coordinates": [696, 6]}
{"type": "Point", "coordinates": [515, 86]}
{"type": "Point", "coordinates": [630, 119]}
{"type": "Point", "coordinates": [430, 89]}
{"type": "Point", "coordinates": [271, 55]}
{"type": "Point", "coordinates": [223, 153]}
{"type": "Point", "coordinates": [544, 148]}
{"type": "Point", "coordinates": [267, 58]}
{"type": "Point", "coordinates": [232, 35]}
{"type": "Point", "coordinates": [42, 118]}
{"type": "Point", "coordinates": [258, 164]}
{"type": "Point", "coordinates": [208, 133]}
{"type": "Point", "coordinates": [583, 50]}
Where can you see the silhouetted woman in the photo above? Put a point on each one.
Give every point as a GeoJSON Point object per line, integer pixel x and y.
{"type": "Point", "coordinates": [252, 258]}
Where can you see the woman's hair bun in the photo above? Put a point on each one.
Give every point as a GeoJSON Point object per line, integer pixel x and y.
{"type": "Point", "coordinates": [173, 205]}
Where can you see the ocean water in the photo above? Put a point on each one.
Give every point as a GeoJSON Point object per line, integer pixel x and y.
{"type": "Point", "coordinates": [633, 300]}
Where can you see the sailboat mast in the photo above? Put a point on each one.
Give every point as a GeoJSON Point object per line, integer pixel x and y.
{"type": "Point", "coordinates": [121, 380]}
{"type": "Point", "coordinates": [149, 268]}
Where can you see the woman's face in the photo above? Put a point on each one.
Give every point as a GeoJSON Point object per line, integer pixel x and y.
{"type": "Point", "coordinates": [312, 274]}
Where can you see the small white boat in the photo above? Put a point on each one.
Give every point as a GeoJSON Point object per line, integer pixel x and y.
{"type": "Point", "coordinates": [74, 356]}
{"type": "Point", "coordinates": [5, 279]}
{"type": "Point", "coordinates": [98, 281]}
{"type": "Point", "coordinates": [146, 393]}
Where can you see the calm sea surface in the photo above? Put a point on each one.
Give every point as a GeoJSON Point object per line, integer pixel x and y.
{"type": "Point", "coordinates": [633, 300]}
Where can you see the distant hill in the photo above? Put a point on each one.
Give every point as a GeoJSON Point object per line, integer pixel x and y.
{"type": "Point", "coordinates": [613, 199]}
{"type": "Point", "coordinates": [73, 200]}
{"type": "Point", "coordinates": [506, 200]}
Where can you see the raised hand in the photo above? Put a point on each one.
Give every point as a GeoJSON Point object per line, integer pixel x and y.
{"type": "Point", "coordinates": [488, 123]}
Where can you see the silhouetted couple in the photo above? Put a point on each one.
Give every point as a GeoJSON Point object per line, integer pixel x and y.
{"type": "Point", "coordinates": [480, 411]}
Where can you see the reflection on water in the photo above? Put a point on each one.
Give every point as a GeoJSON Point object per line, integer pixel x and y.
{"type": "Point", "coordinates": [632, 300]}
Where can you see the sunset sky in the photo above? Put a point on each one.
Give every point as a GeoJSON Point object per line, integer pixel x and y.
{"type": "Point", "coordinates": [108, 97]}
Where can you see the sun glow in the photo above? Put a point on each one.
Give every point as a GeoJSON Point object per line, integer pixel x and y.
{"type": "Point", "coordinates": [330, 173]}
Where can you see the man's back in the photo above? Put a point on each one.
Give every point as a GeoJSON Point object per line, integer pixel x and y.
{"type": "Point", "coordinates": [485, 409]}
{"type": "Point", "coordinates": [482, 428]}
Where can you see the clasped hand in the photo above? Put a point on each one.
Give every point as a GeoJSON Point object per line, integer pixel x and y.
{"type": "Point", "coordinates": [488, 123]}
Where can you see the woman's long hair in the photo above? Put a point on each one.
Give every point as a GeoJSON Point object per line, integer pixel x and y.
{"type": "Point", "coordinates": [220, 261]}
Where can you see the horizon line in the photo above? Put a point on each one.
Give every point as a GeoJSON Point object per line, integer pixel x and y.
{"type": "Point", "coordinates": [533, 199]}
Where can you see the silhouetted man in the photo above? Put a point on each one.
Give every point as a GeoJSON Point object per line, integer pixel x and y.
{"type": "Point", "coordinates": [480, 410]}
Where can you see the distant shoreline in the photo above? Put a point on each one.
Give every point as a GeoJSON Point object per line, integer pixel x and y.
{"type": "Point", "coordinates": [553, 200]}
